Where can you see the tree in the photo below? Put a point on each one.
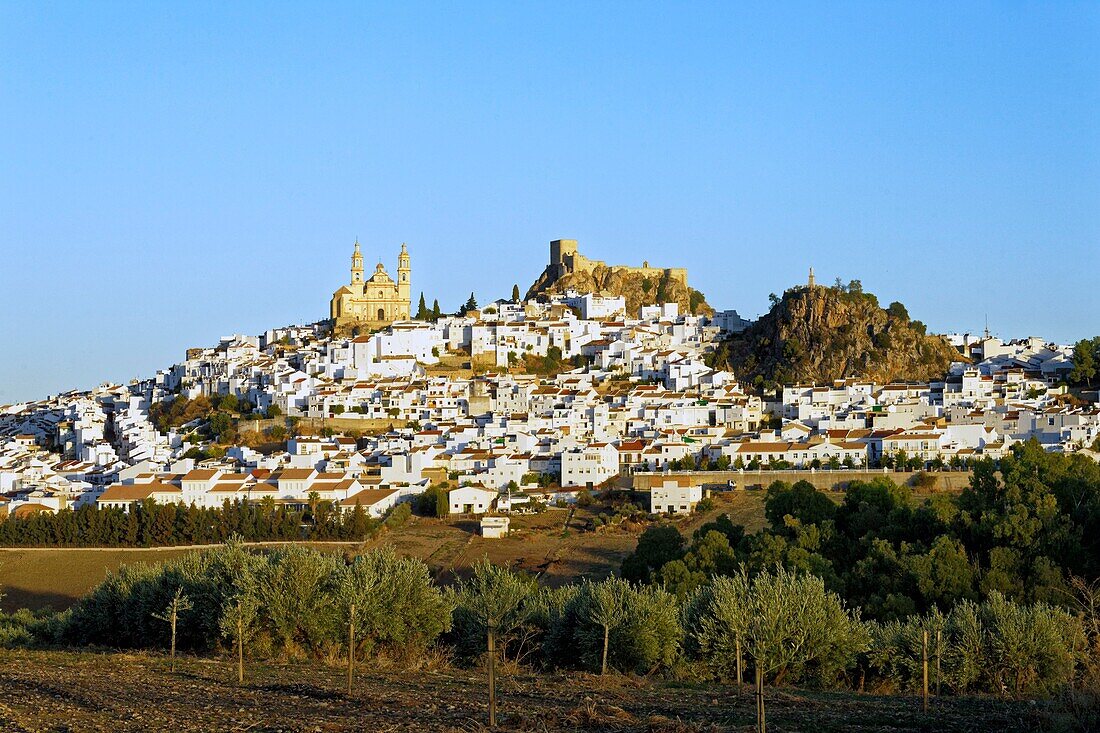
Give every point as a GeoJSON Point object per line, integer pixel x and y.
{"type": "Point", "coordinates": [607, 609]}
{"type": "Point", "coordinates": [356, 588]}
{"type": "Point", "coordinates": [787, 623]}
{"type": "Point", "coordinates": [179, 604]}
{"type": "Point", "coordinates": [657, 546]}
{"type": "Point", "coordinates": [404, 611]}
{"type": "Point", "coordinates": [496, 598]}
{"type": "Point", "coordinates": [436, 312]}
{"type": "Point", "coordinates": [801, 501]}
{"type": "Point", "coordinates": [898, 311]}
{"type": "Point", "coordinates": [469, 305]}
{"type": "Point", "coordinates": [238, 617]}
{"type": "Point", "coordinates": [422, 312]}
{"type": "Point", "coordinates": [515, 293]}
{"type": "Point", "coordinates": [1086, 353]}
{"type": "Point", "coordinates": [221, 425]}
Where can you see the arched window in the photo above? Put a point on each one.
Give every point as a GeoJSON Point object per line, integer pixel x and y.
{"type": "Point", "coordinates": [381, 314]}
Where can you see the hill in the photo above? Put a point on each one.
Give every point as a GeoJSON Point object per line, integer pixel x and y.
{"type": "Point", "coordinates": [819, 334]}
{"type": "Point", "coordinates": [637, 288]}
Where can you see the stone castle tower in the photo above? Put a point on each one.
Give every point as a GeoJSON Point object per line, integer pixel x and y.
{"type": "Point", "coordinates": [375, 302]}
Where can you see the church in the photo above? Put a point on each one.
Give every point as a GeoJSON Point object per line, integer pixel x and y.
{"type": "Point", "coordinates": [376, 302]}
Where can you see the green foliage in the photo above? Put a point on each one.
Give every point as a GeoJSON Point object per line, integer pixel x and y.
{"type": "Point", "coordinates": [469, 305]}
{"type": "Point", "coordinates": [1086, 361]}
{"type": "Point", "coordinates": [789, 626]}
{"type": "Point", "coordinates": [422, 312]}
{"type": "Point", "coordinates": [508, 601]}
{"type": "Point", "coordinates": [149, 524]}
{"type": "Point", "coordinates": [898, 311]}
{"type": "Point", "coordinates": [1020, 530]}
{"type": "Point", "coordinates": [1023, 649]}
{"type": "Point", "coordinates": [658, 545]}
{"type": "Point", "coordinates": [643, 625]}
{"type": "Point", "coordinates": [801, 501]}
{"type": "Point", "coordinates": [432, 502]}
{"type": "Point", "coordinates": [403, 611]}
{"type": "Point", "coordinates": [290, 603]}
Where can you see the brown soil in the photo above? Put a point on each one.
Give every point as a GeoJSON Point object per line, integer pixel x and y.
{"type": "Point", "coordinates": [101, 693]}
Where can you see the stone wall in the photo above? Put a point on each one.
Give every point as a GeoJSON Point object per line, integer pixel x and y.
{"type": "Point", "coordinates": [824, 480]}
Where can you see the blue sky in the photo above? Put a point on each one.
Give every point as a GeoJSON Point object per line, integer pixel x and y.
{"type": "Point", "coordinates": [172, 173]}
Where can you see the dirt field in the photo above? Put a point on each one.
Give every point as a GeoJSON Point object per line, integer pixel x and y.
{"type": "Point", "coordinates": [101, 693]}
{"type": "Point", "coordinates": [539, 544]}
{"type": "Point", "coordinates": [57, 577]}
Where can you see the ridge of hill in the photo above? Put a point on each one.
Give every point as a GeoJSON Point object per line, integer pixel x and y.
{"type": "Point", "coordinates": [820, 334]}
{"type": "Point", "coordinates": [638, 289]}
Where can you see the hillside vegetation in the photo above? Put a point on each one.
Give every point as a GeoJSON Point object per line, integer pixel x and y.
{"type": "Point", "coordinates": [822, 333]}
{"type": "Point", "coordinates": [634, 287]}
{"type": "Point", "coordinates": [1003, 576]}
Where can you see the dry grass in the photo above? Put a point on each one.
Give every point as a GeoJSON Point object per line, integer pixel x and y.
{"type": "Point", "coordinates": [58, 577]}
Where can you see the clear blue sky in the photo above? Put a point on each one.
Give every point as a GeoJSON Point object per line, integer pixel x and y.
{"type": "Point", "coordinates": [174, 172]}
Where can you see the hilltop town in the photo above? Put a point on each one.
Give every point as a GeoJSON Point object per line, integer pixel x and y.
{"type": "Point", "coordinates": [513, 404]}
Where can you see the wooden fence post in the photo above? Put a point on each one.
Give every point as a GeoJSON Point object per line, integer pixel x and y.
{"type": "Point", "coordinates": [738, 641]}
{"type": "Point", "coordinates": [761, 724]}
{"type": "Point", "coordinates": [240, 643]}
{"type": "Point", "coordinates": [924, 664]}
{"type": "Point", "coordinates": [492, 676]}
{"type": "Point", "coordinates": [939, 649]}
{"type": "Point", "coordinates": [351, 646]}
{"type": "Point", "coordinates": [175, 614]}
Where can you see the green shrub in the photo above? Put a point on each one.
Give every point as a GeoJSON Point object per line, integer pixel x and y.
{"type": "Point", "coordinates": [787, 623]}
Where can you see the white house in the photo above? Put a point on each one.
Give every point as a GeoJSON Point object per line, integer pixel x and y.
{"type": "Point", "coordinates": [589, 466]}
{"type": "Point", "coordinates": [471, 500]}
{"type": "Point", "coordinates": [675, 495]}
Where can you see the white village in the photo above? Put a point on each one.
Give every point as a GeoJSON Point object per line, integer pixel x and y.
{"type": "Point", "coordinates": [512, 404]}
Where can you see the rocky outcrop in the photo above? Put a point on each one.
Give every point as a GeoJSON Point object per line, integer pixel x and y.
{"type": "Point", "coordinates": [637, 289]}
{"type": "Point", "coordinates": [819, 334]}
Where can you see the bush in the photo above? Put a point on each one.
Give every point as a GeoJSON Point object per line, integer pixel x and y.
{"type": "Point", "coordinates": [643, 628]}
{"type": "Point", "coordinates": [999, 646]}
{"type": "Point", "coordinates": [505, 599]}
{"type": "Point", "coordinates": [788, 624]}
{"type": "Point", "coordinates": [293, 595]}
{"type": "Point", "coordinates": [398, 516]}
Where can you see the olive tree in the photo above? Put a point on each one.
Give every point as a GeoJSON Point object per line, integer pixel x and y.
{"type": "Point", "coordinates": [786, 623]}
{"type": "Point", "coordinates": [495, 597]}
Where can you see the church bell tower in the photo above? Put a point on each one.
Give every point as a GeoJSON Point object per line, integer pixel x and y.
{"type": "Point", "coordinates": [404, 287]}
{"type": "Point", "coordinates": [356, 264]}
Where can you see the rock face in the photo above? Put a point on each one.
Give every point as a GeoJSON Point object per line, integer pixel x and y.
{"type": "Point", "coordinates": [819, 334]}
{"type": "Point", "coordinates": [636, 288]}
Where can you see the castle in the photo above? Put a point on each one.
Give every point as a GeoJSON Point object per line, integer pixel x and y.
{"type": "Point", "coordinates": [566, 260]}
{"type": "Point", "coordinates": [376, 302]}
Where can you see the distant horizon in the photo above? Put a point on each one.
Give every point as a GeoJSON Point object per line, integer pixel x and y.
{"type": "Point", "coordinates": [173, 174]}
{"type": "Point", "coordinates": [215, 339]}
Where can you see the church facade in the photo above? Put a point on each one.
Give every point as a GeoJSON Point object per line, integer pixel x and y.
{"type": "Point", "coordinates": [376, 301]}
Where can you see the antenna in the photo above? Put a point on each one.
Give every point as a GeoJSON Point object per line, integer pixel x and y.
{"type": "Point", "coordinates": [987, 325]}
